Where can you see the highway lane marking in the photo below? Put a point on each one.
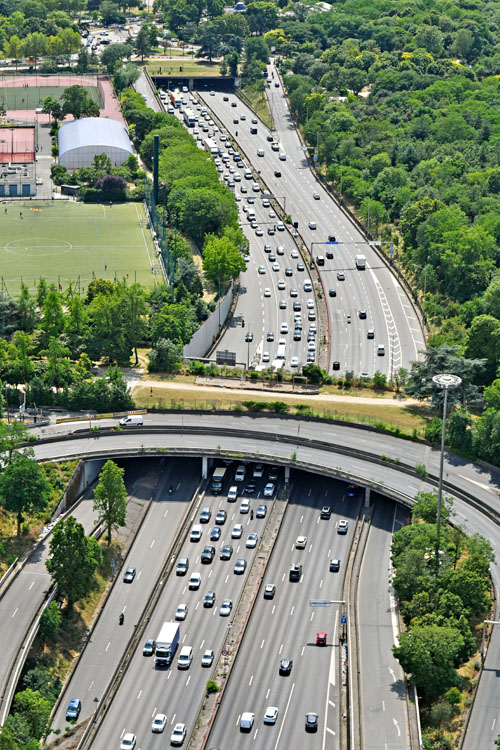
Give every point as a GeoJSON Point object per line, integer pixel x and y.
{"type": "Point", "coordinates": [291, 611]}
{"type": "Point", "coordinates": [321, 583]}
{"type": "Point", "coordinates": [197, 605]}
{"type": "Point", "coordinates": [188, 680]}
{"type": "Point", "coordinates": [303, 649]}
{"type": "Point", "coordinates": [262, 644]}
{"type": "Point", "coordinates": [473, 481]}
{"type": "Point", "coordinates": [283, 577]}
{"type": "Point", "coordinates": [154, 712]}
{"type": "Point", "coordinates": [332, 703]}
{"type": "Point", "coordinates": [227, 579]}
{"type": "Point", "coordinates": [210, 572]}
{"type": "Point", "coordinates": [31, 586]}
{"type": "Point", "coordinates": [152, 544]}
{"type": "Point", "coordinates": [493, 725]}
{"type": "Point", "coordinates": [284, 716]}
{"type": "Point", "coordinates": [301, 519]}
{"type": "Point", "coordinates": [201, 646]}
{"type": "Point", "coordinates": [312, 615]}
{"type": "Point", "coordinates": [383, 705]}
{"type": "Point", "coordinates": [251, 680]}
{"type": "Point", "coordinates": [140, 693]}
{"type": "Point", "coordinates": [165, 513]}
{"type": "Point", "coordinates": [281, 649]}
{"type": "Point", "coordinates": [397, 726]}
{"type": "Point", "coordinates": [173, 717]}
{"type": "Point", "coordinates": [267, 694]}
{"type": "Point", "coordinates": [90, 686]}
{"type": "Point", "coordinates": [330, 730]}
{"type": "Point", "coordinates": [109, 644]}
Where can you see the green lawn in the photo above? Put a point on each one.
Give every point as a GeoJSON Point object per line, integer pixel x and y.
{"type": "Point", "coordinates": [17, 97]}
{"type": "Point", "coordinates": [185, 67]}
{"type": "Point", "coordinates": [68, 242]}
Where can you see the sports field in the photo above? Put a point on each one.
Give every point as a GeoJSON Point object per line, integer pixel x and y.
{"type": "Point", "coordinates": [30, 97]}
{"type": "Point", "coordinates": [67, 242]}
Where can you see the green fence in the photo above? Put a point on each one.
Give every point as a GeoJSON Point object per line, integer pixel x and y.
{"type": "Point", "coordinates": [168, 258]}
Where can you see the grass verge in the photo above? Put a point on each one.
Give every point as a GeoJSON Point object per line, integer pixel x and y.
{"type": "Point", "coordinates": [258, 102]}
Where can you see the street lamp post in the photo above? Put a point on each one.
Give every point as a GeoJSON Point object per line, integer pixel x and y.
{"type": "Point", "coordinates": [443, 381]}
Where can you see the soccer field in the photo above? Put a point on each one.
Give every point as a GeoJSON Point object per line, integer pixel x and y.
{"type": "Point", "coordinates": [67, 242]}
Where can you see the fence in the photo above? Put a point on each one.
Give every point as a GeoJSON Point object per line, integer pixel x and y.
{"type": "Point", "coordinates": [159, 235]}
{"type": "Point", "coordinates": [206, 334]}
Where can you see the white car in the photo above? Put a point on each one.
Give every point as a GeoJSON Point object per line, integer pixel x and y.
{"type": "Point", "coordinates": [269, 489]}
{"type": "Point", "coordinates": [284, 328]}
{"type": "Point", "coordinates": [310, 304]}
{"type": "Point", "coordinates": [178, 735]}
{"type": "Point", "coordinates": [181, 611]}
{"type": "Point", "coordinates": [280, 226]}
{"type": "Point", "coordinates": [266, 357]}
{"type": "Point", "coordinates": [282, 304]}
{"type": "Point", "coordinates": [276, 266]}
{"type": "Point", "coordinates": [281, 284]}
{"type": "Point", "coordinates": [245, 506]}
{"type": "Point", "coordinates": [294, 362]}
{"type": "Point", "coordinates": [259, 232]}
{"type": "Point", "coordinates": [301, 542]}
{"type": "Point", "coordinates": [267, 292]}
{"type": "Point", "coordinates": [271, 715]}
{"type": "Point", "coordinates": [265, 203]}
{"type": "Point", "coordinates": [194, 581]}
{"type": "Point", "coordinates": [207, 658]}
{"type": "Point", "coordinates": [252, 540]}
{"type": "Point", "coordinates": [128, 741]}
{"type": "Point", "coordinates": [158, 724]}
{"type": "Point", "coordinates": [237, 531]}
{"type": "Point", "coordinates": [295, 253]}
{"type": "Point", "coordinates": [226, 607]}
{"type": "Point", "coordinates": [311, 346]}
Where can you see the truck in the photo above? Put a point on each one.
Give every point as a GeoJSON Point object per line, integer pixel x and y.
{"type": "Point", "coordinates": [166, 644]}
{"type": "Point", "coordinates": [211, 146]}
{"type": "Point", "coordinates": [217, 477]}
{"type": "Point", "coordinates": [360, 261]}
{"type": "Point", "coordinates": [189, 117]}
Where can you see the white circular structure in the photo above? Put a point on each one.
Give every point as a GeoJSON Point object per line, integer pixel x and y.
{"type": "Point", "coordinates": [80, 140]}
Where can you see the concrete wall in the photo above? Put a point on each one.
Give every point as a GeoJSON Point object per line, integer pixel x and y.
{"type": "Point", "coordinates": [83, 476]}
{"type": "Point", "coordinates": [203, 339]}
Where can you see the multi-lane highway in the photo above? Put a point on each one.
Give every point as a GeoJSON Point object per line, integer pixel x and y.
{"type": "Point", "coordinates": [376, 290]}
{"type": "Point", "coordinates": [285, 627]}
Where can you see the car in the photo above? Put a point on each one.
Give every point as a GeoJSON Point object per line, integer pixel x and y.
{"type": "Point", "coordinates": [207, 556]}
{"type": "Point", "coordinates": [282, 304]}
{"type": "Point", "coordinates": [258, 471]}
{"type": "Point", "coordinates": [273, 473]}
{"type": "Point", "coordinates": [277, 173]}
{"type": "Point", "coordinates": [295, 253]}
{"type": "Point", "coordinates": [252, 540]}
{"type": "Point", "coordinates": [269, 591]}
{"type": "Point", "coordinates": [270, 231]}
{"type": "Point", "coordinates": [244, 189]}
{"type": "Point", "coordinates": [149, 648]}
{"type": "Point", "coordinates": [294, 292]}
{"type": "Point", "coordinates": [235, 121]}
{"type": "Point", "coordinates": [178, 735]}
{"type": "Point", "coordinates": [225, 98]}
{"type": "Point", "coordinates": [182, 566]}
{"type": "Point", "coordinates": [245, 506]}
{"type": "Point", "coordinates": [362, 314]}
{"type": "Point", "coordinates": [226, 607]}
{"type": "Point", "coordinates": [255, 187]}
{"type": "Point", "coordinates": [237, 531]}
{"type": "Point", "coordinates": [212, 93]}
{"type": "Point", "coordinates": [312, 225]}
{"type": "Point", "coordinates": [280, 226]}
{"type": "Point", "coordinates": [276, 85]}
{"type": "Point", "coordinates": [311, 357]}
{"type": "Point", "coordinates": [240, 566]}
{"type": "Point", "coordinates": [276, 266]}
{"type": "Point", "coordinates": [270, 137]}
{"type": "Point", "coordinates": [342, 526]}
{"type": "Point", "coordinates": [159, 723]}
{"type": "Point", "coordinates": [270, 715]}
{"type": "Point", "coordinates": [284, 328]}
{"type": "Point", "coordinates": [266, 357]}
{"type": "Point", "coordinates": [221, 517]}
{"type": "Point", "coordinates": [194, 581]}
{"type": "Point", "coordinates": [261, 271]}
{"type": "Point", "coordinates": [286, 666]}
{"type": "Point", "coordinates": [311, 346]}
{"type": "Point", "coordinates": [295, 572]}
{"type": "Point", "coordinates": [128, 742]}
{"type": "Point", "coordinates": [311, 722]}
{"type": "Point", "coordinates": [233, 104]}
{"type": "Point", "coordinates": [316, 196]}
{"type": "Point", "coordinates": [246, 721]}
{"type": "Point", "coordinates": [370, 334]}
{"type": "Point", "coordinates": [254, 121]}
{"type": "Point", "coordinates": [294, 362]}
{"type": "Point", "coordinates": [310, 304]}
{"type": "Point", "coordinates": [281, 285]}
{"type": "Point", "coordinates": [351, 490]}
{"type": "Point", "coordinates": [332, 293]}
{"type": "Point", "coordinates": [205, 515]}
{"type": "Point", "coordinates": [381, 350]}
{"type": "Point", "coordinates": [243, 117]}
{"type": "Point", "coordinates": [74, 708]}
{"type": "Point", "coordinates": [209, 599]}
{"type": "Point", "coordinates": [129, 575]}
{"type": "Point", "coordinates": [215, 534]}
{"type": "Point", "coordinates": [307, 286]}
{"type": "Point", "coordinates": [334, 565]}
{"type": "Point", "coordinates": [250, 488]}
{"type": "Point", "coordinates": [301, 542]}
{"type": "Point", "coordinates": [340, 276]}
{"type": "Point", "coordinates": [207, 658]}
{"type": "Point", "coordinates": [329, 254]}
{"type": "Point", "coordinates": [297, 334]}
{"type": "Point", "coordinates": [269, 490]}
{"type": "Point", "coordinates": [267, 292]}
{"type": "Point", "coordinates": [261, 511]}
{"type": "Point", "coordinates": [267, 248]}
{"type": "Point", "coordinates": [249, 336]}
{"type": "Point", "coordinates": [326, 512]}
{"type": "Point", "coordinates": [259, 232]}
{"type": "Point", "coordinates": [226, 552]}
{"type": "Point", "coordinates": [181, 611]}
{"type": "Point", "coordinates": [280, 250]}
{"type": "Point", "coordinates": [300, 267]}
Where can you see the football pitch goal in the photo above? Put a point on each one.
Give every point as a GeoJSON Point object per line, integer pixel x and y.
{"type": "Point", "coordinates": [73, 243]}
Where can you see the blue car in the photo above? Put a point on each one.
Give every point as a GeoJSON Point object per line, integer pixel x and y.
{"type": "Point", "coordinates": [73, 710]}
{"type": "Point", "coordinates": [351, 490]}
{"type": "Point", "coordinates": [215, 534]}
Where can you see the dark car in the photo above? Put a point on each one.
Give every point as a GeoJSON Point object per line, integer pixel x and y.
{"type": "Point", "coordinates": [351, 490]}
{"type": "Point", "coordinates": [73, 710]}
{"type": "Point", "coordinates": [332, 292]}
{"type": "Point", "coordinates": [269, 591]}
{"type": "Point", "coordinates": [334, 565]}
{"type": "Point", "coordinates": [225, 98]}
{"type": "Point", "coordinates": [286, 666]}
{"type": "Point", "coordinates": [233, 104]}
{"type": "Point", "coordinates": [311, 722]}
{"type": "Point", "coordinates": [362, 314]}
{"type": "Point", "coordinates": [277, 173]}
{"type": "Point", "coordinates": [235, 121]}
{"type": "Point", "coordinates": [209, 599]}
{"type": "Point", "coordinates": [226, 552]}
{"type": "Point", "coordinates": [149, 648]}
{"type": "Point", "coordinates": [215, 534]}
{"type": "Point", "coordinates": [295, 572]}
{"type": "Point", "coordinates": [326, 511]}
{"type": "Point", "coordinates": [250, 488]}
{"type": "Point", "coordinates": [300, 266]}
{"type": "Point", "coordinates": [336, 365]}
{"type": "Point", "coordinates": [270, 138]}
{"type": "Point", "coordinates": [288, 271]}
{"type": "Point", "coordinates": [329, 254]}
{"type": "Point", "coordinates": [249, 336]}
{"type": "Point", "coordinates": [297, 335]}
{"type": "Point", "coordinates": [208, 554]}
{"type": "Point", "coordinates": [129, 575]}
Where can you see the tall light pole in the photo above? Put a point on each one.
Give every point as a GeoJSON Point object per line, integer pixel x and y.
{"type": "Point", "coordinates": [443, 381]}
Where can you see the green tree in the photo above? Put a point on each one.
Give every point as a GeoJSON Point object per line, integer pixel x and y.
{"type": "Point", "coordinates": [492, 395]}
{"type": "Point", "coordinates": [12, 437]}
{"type": "Point", "coordinates": [209, 41]}
{"type": "Point", "coordinates": [164, 356]}
{"type": "Point", "coordinates": [134, 315]}
{"type": "Point", "coordinates": [50, 622]}
{"type": "Point", "coordinates": [23, 488]}
{"type": "Point", "coordinates": [78, 103]}
{"type": "Point", "coordinates": [27, 309]}
{"type": "Point", "coordinates": [206, 210]}
{"type": "Point", "coordinates": [115, 53]}
{"type": "Point", "coordinates": [35, 709]}
{"type": "Point", "coordinates": [110, 498]}
{"type": "Point", "coordinates": [428, 654]}
{"type": "Point", "coordinates": [145, 40]}
{"type": "Point", "coordinates": [52, 315]}
{"type": "Point", "coordinates": [35, 45]}
{"type": "Point", "coordinates": [491, 298]}
{"type": "Point", "coordinates": [444, 359]}
{"type": "Point", "coordinates": [59, 371]}
{"type": "Point", "coordinates": [262, 16]}
{"type": "Point", "coordinates": [221, 260]}
{"type": "Point", "coordinates": [69, 41]}
{"type": "Point", "coordinates": [425, 507]}
{"type": "Point", "coordinates": [73, 560]}
{"type": "Point", "coordinates": [483, 341]}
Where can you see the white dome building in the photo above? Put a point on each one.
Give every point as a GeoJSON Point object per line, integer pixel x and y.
{"type": "Point", "coordinates": [80, 140]}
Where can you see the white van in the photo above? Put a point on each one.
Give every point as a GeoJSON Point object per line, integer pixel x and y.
{"type": "Point", "coordinates": [251, 214]}
{"type": "Point", "coordinates": [232, 494]}
{"type": "Point", "coordinates": [260, 152]}
{"type": "Point", "coordinates": [132, 420]}
{"type": "Point", "coordinates": [196, 533]}
{"type": "Point", "coordinates": [185, 657]}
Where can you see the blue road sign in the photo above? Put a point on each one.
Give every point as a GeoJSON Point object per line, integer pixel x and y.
{"type": "Point", "coordinates": [331, 243]}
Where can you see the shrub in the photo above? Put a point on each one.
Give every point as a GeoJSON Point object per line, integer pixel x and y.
{"type": "Point", "coordinates": [452, 695]}
{"type": "Point", "coordinates": [433, 430]}
{"type": "Point", "coordinates": [212, 687]}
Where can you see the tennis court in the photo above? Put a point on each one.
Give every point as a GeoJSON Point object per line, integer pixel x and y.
{"type": "Point", "coordinates": [31, 97]}
{"type": "Point", "coordinates": [68, 242]}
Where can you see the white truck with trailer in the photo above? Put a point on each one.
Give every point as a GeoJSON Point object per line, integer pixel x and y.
{"type": "Point", "coordinates": [166, 644]}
